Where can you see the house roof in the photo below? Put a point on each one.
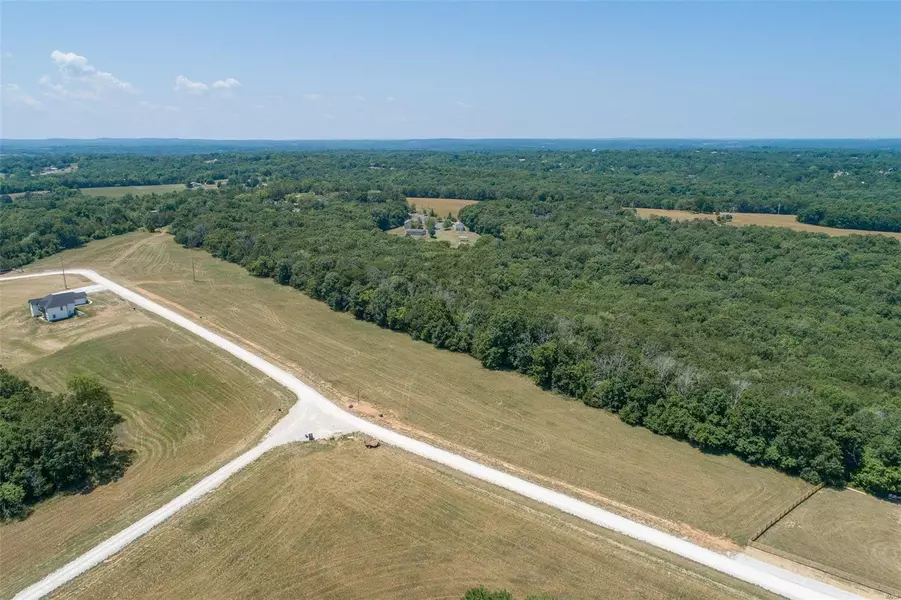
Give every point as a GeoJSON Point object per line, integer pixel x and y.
{"type": "Point", "coordinates": [416, 232]}
{"type": "Point", "coordinates": [56, 300]}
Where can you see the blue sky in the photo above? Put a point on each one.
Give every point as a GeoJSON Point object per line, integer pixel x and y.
{"type": "Point", "coordinates": [290, 70]}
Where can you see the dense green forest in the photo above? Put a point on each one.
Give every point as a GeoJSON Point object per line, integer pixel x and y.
{"type": "Point", "coordinates": [855, 189]}
{"type": "Point", "coordinates": [780, 347]}
{"type": "Point", "coordinates": [54, 442]}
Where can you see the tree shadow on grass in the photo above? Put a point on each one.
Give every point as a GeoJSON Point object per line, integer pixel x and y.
{"type": "Point", "coordinates": [112, 467]}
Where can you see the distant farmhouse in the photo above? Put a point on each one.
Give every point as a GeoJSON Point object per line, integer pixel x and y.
{"type": "Point", "coordinates": [57, 306]}
{"type": "Point", "coordinates": [417, 233]}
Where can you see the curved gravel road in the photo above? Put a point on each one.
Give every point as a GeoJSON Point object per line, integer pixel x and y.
{"type": "Point", "coordinates": [315, 413]}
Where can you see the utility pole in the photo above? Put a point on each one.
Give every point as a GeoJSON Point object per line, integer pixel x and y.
{"type": "Point", "coordinates": [65, 285]}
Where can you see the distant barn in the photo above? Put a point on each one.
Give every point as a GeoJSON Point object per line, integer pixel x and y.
{"type": "Point", "coordinates": [417, 233]}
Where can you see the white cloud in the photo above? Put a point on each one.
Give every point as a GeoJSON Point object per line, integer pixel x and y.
{"type": "Point", "coordinates": [158, 107]}
{"type": "Point", "coordinates": [463, 104]}
{"type": "Point", "coordinates": [312, 97]}
{"type": "Point", "coordinates": [360, 98]}
{"type": "Point", "coordinates": [227, 84]}
{"type": "Point", "coordinates": [67, 60]}
{"type": "Point", "coordinates": [389, 99]}
{"type": "Point", "coordinates": [329, 116]}
{"type": "Point", "coordinates": [60, 91]}
{"type": "Point", "coordinates": [15, 95]}
{"type": "Point", "coordinates": [76, 68]}
{"type": "Point", "coordinates": [7, 55]}
{"type": "Point", "coordinates": [221, 86]}
{"type": "Point", "coordinates": [182, 83]}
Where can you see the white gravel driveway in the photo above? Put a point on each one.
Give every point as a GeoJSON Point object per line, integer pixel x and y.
{"type": "Point", "coordinates": [315, 413]}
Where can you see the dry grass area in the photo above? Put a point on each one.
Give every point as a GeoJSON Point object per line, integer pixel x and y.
{"type": "Point", "coordinates": [188, 408]}
{"type": "Point", "coordinates": [30, 339]}
{"type": "Point", "coordinates": [333, 520]}
{"type": "Point", "coordinates": [21, 194]}
{"type": "Point", "coordinates": [846, 533]}
{"type": "Point", "coordinates": [137, 190]}
{"type": "Point", "coordinates": [441, 206]}
{"type": "Point", "coordinates": [764, 220]}
{"type": "Point", "coordinates": [500, 418]}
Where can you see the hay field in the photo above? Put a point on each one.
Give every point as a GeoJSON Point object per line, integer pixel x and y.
{"type": "Point", "coordinates": [188, 408]}
{"type": "Point", "coordinates": [764, 220]}
{"type": "Point", "coordinates": [137, 190]}
{"type": "Point", "coordinates": [442, 206]}
{"type": "Point", "coordinates": [499, 418]}
{"type": "Point", "coordinates": [333, 520]}
{"type": "Point", "coordinates": [846, 533]}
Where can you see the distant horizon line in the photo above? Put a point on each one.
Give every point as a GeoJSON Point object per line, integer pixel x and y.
{"type": "Point", "coordinates": [466, 139]}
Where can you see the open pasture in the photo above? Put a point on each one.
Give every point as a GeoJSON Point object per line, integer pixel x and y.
{"type": "Point", "coordinates": [441, 206]}
{"type": "Point", "coordinates": [846, 533]}
{"type": "Point", "coordinates": [334, 520]}
{"type": "Point", "coordinates": [188, 408]}
{"type": "Point", "coordinates": [137, 190]}
{"type": "Point", "coordinates": [764, 220]}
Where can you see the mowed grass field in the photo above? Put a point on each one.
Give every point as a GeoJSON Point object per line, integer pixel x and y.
{"type": "Point", "coordinates": [334, 520]}
{"type": "Point", "coordinates": [499, 418]}
{"type": "Point", "coordinates": [846, 533]}
{"type": "Point", "coordinates": [764, 220]}
{"type": "Point", "coordinates": [441, 206]}
{"type": "Point", "coordinates": [188, 409]}
{"type": "Point", "coordinates": [137, 190]}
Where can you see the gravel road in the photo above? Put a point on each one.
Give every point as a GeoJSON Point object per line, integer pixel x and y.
{"type": "Point", "coordinates": [315, 413]}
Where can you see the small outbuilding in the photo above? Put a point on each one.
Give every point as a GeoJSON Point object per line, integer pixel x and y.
{"type": "Point", "coordinates": [458, 226]}
{"type": "Point", "coordinates": [55, 307]}
{"type": "Point", "coordinates": [417, 233]}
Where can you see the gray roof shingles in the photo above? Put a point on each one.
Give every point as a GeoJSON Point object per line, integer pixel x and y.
{"type": "Point", "coordinates": [57, 300]}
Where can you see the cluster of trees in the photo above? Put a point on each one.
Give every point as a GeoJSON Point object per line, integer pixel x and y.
{"type": "Point", "coordinates": [782, 348]}
{"type": "Point", "coordinates": [35, 226]}
{"type": "Point", "coordinates": [854, 215]}
{"type": "Point", "coordinates": [54, 442]}
{"type": "Point", "coordinates": [787, 181]}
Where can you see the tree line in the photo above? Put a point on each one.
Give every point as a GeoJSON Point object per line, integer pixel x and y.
{"type": "Point", "coordinates": [54, 442]}
{"type": "Point", "coordinates": [779, 347]}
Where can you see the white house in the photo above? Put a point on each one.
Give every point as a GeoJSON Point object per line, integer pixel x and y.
{"type": "Point", "coordinates": [57, 306]}
{"type": "Point", "coordinates": [458, 226]}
